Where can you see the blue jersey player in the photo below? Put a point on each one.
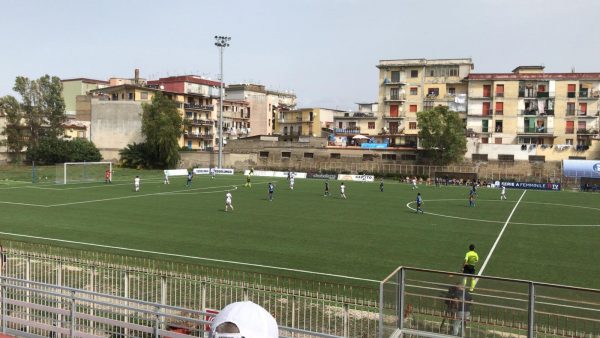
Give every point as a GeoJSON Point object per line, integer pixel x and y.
{"type": "Point", "coordinates": [271, 190]}
{"type": "Point", "coordinates": [419, 203]}
{"type": "Point", "coordinates": [189, 179]}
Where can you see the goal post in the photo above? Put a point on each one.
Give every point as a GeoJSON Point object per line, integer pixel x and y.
{"type": "Point", "coordinates": [82, 172]}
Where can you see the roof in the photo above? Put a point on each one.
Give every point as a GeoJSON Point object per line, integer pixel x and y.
{"type": "Point", "coordinates": [132, 86]}
{"type": "Point", "coordinates": [85, 80]}
{"type": "Point", "coordinates": [186, 78]}
{"type": "Point", "coordinates": [528, 67]}
{"type": "Point", "coordinates": [424, 62]}
{"type": "Point", "coordinates": [533, 76]}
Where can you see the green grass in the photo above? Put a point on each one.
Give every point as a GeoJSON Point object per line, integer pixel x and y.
{"type": "Point", "coordinates": [368, 235]}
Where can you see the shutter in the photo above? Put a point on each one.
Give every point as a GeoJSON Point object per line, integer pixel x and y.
{"type": "Point", "coordinates": [571, 88]}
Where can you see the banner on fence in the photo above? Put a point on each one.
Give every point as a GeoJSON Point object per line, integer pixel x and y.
{"type": "Point", "coordinates": [322, 176]}
{"type": "Point", "coordinates": [581, 168]}
{"type": "Point", "coordinates": [529, 185]}
{"type": "Point", "coordinates": [357, 178]}
{"type": "Point", "coordinates": [218, 171]}
{"type": "Point", "coordinates": [270, 173]}
{"type": "Point", "coordinates": [374, 145]}
{"type": "Point", "coordinates": [176, 172]}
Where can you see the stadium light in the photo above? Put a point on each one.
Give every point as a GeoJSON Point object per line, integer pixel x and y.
{"type": "Point", "coordinates": [221, 42]}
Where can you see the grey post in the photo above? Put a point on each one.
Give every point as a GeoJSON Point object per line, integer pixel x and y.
{"type": "Point", "coordinates": [401, 299]}
{"type": "Point", "coordinates": [531, 311]}
{"type": "Point", "coordinates": [221, 42]}
{"type": "Point", "coordinates": [73, 307]}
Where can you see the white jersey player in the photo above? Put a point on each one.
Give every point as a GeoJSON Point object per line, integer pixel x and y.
{"type": "Point", "coordinates": [292, 183]}
{"type": "Point", "coordinates": [136, 183]}
{"type": "Point", "coordinates": [228, 202]}
{"type": "Point", "coordinates": [212, 172]}
{"type": "Point", "coordinates": [343, 190]}
{"type": "Point", "coordinates": [503, 193]}
{"type": "Point", "coordinates": [167, 177]}
{"type": "Point", "coordinates": [414, 183]}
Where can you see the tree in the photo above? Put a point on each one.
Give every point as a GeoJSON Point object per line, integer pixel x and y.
{"type": "Point", "coordinates": [40, 114]}
{"type": "Point", "coordinates": [54, 150]}
{"type": "Point", "coordinates": [14, 131]}
{"type": "Point", "coordinates": [162, 127]}
{"type": "Point", "coordinates": [442, 134]}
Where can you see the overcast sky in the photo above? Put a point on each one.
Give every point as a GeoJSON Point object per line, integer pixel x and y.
{"type": "Point", "coordinates": [323, 50]}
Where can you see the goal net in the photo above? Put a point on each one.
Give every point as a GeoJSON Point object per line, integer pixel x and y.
{"type": "Point", "coordinates": [80, 172]}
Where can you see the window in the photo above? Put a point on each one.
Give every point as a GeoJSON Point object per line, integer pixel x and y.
{"type": "Point", "coordinates": [485, 140]}
{"type": "Point", "coordinates": [394, 110]}
{"type": "Point", "coordinates": [144, 95]}
{"type": "Point", "coordinates": [311, 116]}
{"type": "Point", "coordinates": [412, 125]}
{"type": "Point", "coordinates": [433, 92]}
{"type": "Point", "coordinates": [395, 76]}
{"type": "Point", "coordinates": [285, 131]}
{"type": "Point", "coordinates": [581, 126]}
{"type": "Point", "coordinates": [582, 108]}
{"type": "Point", "coordinates": [485, 108]}
{"type": "Point", "coordinates": [368, 157]}
{"type": "Point", "coordinates": [537, 159]}
{"type": "Point", "coordinates": [506, 158]}
{"type": "Point", "coordinates": [500, 90]}
{"type": "Point", "coordinates": [451, 91]}
{"type": "Point", "coordinates": [389, 157]}
{"type": "Point", "coordinates": [413, 108]}
{"type": "Point", "coordinates": [263, 154]}
{"type": "Point", "coordinates": [309, 155]}
{"type": "Point", "coordinates": [541, 88]}
{"type": "Point", "coordinates": [487, 90]}
{"type": "Point", "coordinates": [413, 91]}
{"type": "Point", "coordinates": [414, 73]}
{"type": "Point", "coordinates": [498, 140]}
{"type": "Point", "coordinates": [479, 157]}
{"type": "Point", "coordinates": [570, 126]}
{"type": "Point", "coordinates": [371, 125]}
{"type": "Point", "coordinates": [571, 90]}
{"type": "Point", "coordinates": [81, 134]}
{"type": "Point", "coordinates": [569, 141]}
{"type": "Point", "coordinates": [340, 125]}
{"type": "Point", "coordinates": [286, 154]}
{"type": "Point", "coordinates": [335, 156]}
{"type": "Point", "coordinates": [499, 108]}
{"type": "Point", "coordinates": [408, 157]}
{"type": "Point", "coordinates": [570, 108]}
{"type": "Point", "coordinates": [498, 128]}
{"type": "Point", "coordinates": [130, 96]}
{"type": "Point", "coordinates": [394, 93]}
{"type": "Point", "coordinates": [453, 72]}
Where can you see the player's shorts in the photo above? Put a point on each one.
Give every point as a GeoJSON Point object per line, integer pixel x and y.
{"type": "Point", "coordinates": [228, 203]}
{"type": "Point", "coordinates": [470, 269]}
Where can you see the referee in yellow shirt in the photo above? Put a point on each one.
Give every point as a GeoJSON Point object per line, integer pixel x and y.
{"type": "Point", "coordinates": [471, 258]}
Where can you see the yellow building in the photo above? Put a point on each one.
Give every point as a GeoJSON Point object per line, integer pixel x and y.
{"type": "Point", "coordinates": [236, 119]}
{"type": "Point", "coordinates": [408, 86]}
{"type": "Point", "coordinates": [532, 115]}
{"type": "Point", "coordinates": [305, 121]}
{"type": "Point", "coordinates": [75, 129]}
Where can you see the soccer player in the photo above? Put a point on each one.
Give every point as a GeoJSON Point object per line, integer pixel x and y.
{"type": "Point", "coordinates": [326, 188]}
{"type": "Point", "coordinates": [414, 183]}
{"type": "Point", "coordinates": [292, 182]}
{"type": "Point", "coordinates": [228, 201]}
{"type": "Point", "coordinates": [381, 185]}
{"type": "Point", "coordinates": [271, 190]}
{"type": "Point", "coordinates": [107, 176]}
{"type": "Point", "coordinates": [503, 193]}
{"type": "Point", "coordinates": [136, 183]}
{"type": "Point", "coordinates": [166, 178]}
{"type": "Point", "coordinates": [189, 179]}
{"type": "Point", "coordinates": [343, 191]}
{"type": "Point", "coordinates": [472, 194]}
{"type": "Point", "coordinates": [248, 183]}
{"type": "Point", "coordinates": [419, 203]}
{"type": "Point", "coordinates": [469, 265]}
{"type": "Point", "coordinates": [212, 172]}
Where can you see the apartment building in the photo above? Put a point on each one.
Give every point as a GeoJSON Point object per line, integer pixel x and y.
{"type": "Point", "coordinates": [305, 121]}
{"type": "Point", "coordinates": [236, 119]}
{"type": "Point", "coordinates": [532, 115]}
{"type": "Point", "coordinates": [363, 121]}
{"type": "Point", "coordinates": [264, 105]}
{"type": "Point", "coordinates": [76, 87]}
{"type": "Point", "coordinates": [408, 86]}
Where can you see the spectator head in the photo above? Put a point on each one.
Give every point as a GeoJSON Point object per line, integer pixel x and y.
{"type": "Point", "coordinates": [244, 320]}
{"type": "Point", "coordinates": [472, 247]}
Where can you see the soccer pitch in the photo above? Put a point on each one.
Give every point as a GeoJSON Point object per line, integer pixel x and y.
{"type": "Point", "coordinates": [543, 236]}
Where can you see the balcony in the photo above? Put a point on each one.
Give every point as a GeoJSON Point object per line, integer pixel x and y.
{"type": "Point", "coordinates": [483, 96]}
{"type": "Point", "coordinates": [570, 112]}
{"type": "Point", "coordinates": [198, 122]}
{"type": "Point", "coordinates": [571, 95]}
{"type": "Point", "coordinates": [501, 94]}
{"type": "Point", "coordinates": [534, 130]}
{"type": "Point", "coordinates": [535, 112]}
{"type": "Point", "coordinates": [193, 136]}
{"type": "Point", "coordinates": [583, 131]}
{"type": "Point", "coordinates": [392, 131]}
{"type": "Point", "coordinates": [394, 82]}
{"type": "Point", "coordinates": [198, 106]}
{"type": "Point", "coordinates": [387, 116]}
{"type": "Point", "coordinates": [585, 114]}
{"type": "Point", "coordinates": [542, 94]}
{"type": "Point", "coordinates": [348, 131]}
{"type": "Point", "coordinates": [485, 113]}
{"type": "Point", "coordinates": [395, 98]}
{"type": "Point", "coordinates": [569, 131]}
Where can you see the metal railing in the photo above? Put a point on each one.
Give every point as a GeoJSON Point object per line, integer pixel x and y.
{"type": "Point", "coordinates": [432, 303]}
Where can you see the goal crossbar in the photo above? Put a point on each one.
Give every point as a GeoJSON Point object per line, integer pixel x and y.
{"type": "Point", "coordinates": [73, 172]}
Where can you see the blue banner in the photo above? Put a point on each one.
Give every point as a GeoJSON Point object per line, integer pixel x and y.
{"type": "Point", "coordinates": [581, 168]}
{"type": "Point", "coordinates": [374, 145]}
{"type": "Point", "coordinates": [531, 186]}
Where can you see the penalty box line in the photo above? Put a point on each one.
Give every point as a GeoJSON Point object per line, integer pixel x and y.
{"type": "Point", "coordinates": [190, 257]}
{"type": "Point", "coordinates": [487, 259]}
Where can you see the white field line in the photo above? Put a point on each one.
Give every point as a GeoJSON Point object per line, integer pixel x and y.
{"type": "Point", "coordinates": [25, 204]}
{"type": "Point", "coordinates": [487, 259]}
{"type": "Point", "coordinates": [191, 257]}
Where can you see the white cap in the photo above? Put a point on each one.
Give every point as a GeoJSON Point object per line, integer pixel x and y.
{"type": "Point", "coordinates": [252, 320]}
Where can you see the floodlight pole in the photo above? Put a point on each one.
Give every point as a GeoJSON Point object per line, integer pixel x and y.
{"type": "Point", "coordinates": [221, 42]}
